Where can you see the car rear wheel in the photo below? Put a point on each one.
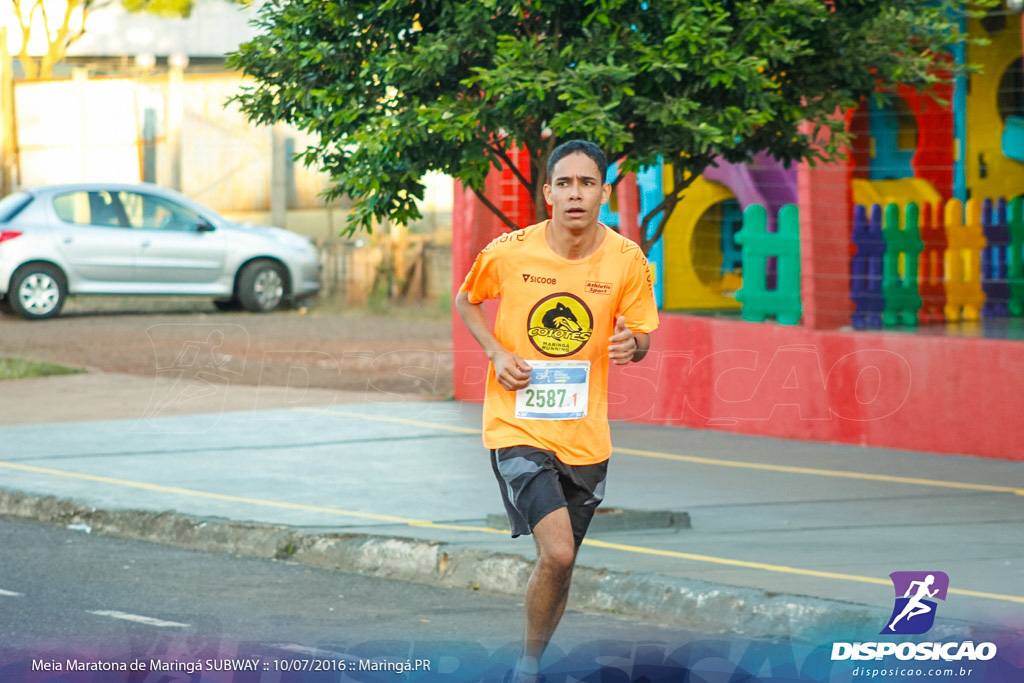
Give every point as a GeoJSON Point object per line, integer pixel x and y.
{"type": "Point", "coordinates": [37, 291]}
{"type": "Point", "coordinates": [261, 286]}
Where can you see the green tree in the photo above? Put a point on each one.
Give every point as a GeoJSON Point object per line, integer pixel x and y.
{"type": "Point", "coordinates": [393, 89]}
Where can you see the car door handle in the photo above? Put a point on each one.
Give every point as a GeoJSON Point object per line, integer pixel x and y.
{"type": "Point", "coordinates": [145, 243]}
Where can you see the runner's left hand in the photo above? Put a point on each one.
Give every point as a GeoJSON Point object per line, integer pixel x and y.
{"type": "Point", "coordinates": [622, 344]}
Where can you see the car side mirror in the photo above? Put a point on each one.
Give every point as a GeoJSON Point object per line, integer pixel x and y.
{"type": "Point", "coordinates": [203, 226]}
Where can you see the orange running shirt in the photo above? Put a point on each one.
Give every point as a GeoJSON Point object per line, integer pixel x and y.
{"type": "Point", "coordinates": [553, 308]}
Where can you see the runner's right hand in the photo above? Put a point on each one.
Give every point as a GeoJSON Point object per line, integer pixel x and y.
{"type": "Point", "coordinates": [512, 372]}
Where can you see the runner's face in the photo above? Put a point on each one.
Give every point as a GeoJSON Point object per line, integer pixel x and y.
{"type": "Point", "coordinates": [576, 192]}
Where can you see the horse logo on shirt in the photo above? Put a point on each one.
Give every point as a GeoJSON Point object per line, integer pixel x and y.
{"type": "Point", "coordinates": [560, 325]}
{"type": "Point", "coordinates": [561, 317]}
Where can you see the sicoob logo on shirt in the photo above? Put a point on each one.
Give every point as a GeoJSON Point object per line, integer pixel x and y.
{"type": "Point", "coordinates": [560, 325]}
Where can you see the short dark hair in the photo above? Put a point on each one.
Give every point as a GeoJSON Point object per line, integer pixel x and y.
{"type": "Point", "coordinates": [581, 147]}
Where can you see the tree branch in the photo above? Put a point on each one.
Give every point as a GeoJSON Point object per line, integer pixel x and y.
{"type": "Point", "coordinates": [541, 170]}
{"type": "Point", "coordinates": [662, 208]}
{"type": "Point", "coordinates": [680, 181]}
{"type": "Point", "coordinates": [682, 177]}
{"type": "Point", "coordinates": [46, 20]}
{"type": "Point", "coordinates": [618, 179]}
{"type": "Point", "coordinates": [58, 44]}
{"type": "Point", "coordinates": [494, 209]}
{"type": "Point", "coordinates": [28, 65]}
{"type": "Point", "coordinates": [500, 151]}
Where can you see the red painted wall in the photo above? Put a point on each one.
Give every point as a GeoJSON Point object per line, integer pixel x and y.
{"type": "Point", "coordinates": [894, 390]}
{"type": "Point", "coordinates": [917, 392]}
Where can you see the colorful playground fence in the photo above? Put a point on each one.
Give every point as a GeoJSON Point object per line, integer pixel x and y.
{"type": "Point", "coordinates": [952, 261]}
{"type": "Point", "coordinates": [763, 296]}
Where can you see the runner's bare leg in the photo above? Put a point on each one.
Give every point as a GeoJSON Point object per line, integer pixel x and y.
{"type": "Point", "coordinates": [548, 588]}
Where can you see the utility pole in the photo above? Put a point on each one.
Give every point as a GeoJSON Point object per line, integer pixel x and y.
{"type": "Point", "coordinates": [175, 116]}
{"type": "Point", "coordinates": [279, 163]}
{"type": "Point", "coordinates": [8, 162]}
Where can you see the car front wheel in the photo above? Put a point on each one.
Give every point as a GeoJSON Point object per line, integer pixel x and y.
{"type": "Point", "coordinates": [37, 291]}
{"type": "Point", "coordinates": [261, 286]}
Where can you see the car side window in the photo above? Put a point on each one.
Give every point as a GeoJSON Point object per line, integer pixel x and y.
{"type": "Point", "coordinates": [90, 208]}
{"type": "Point", "coordinates": [150, 212]}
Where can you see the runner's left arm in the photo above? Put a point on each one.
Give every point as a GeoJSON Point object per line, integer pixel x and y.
{"type": "Point", "coordinates": [625, 346]}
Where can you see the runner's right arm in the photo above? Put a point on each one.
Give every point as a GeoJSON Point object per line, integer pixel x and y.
{"type": "Point", "coordinates": [512, 372]}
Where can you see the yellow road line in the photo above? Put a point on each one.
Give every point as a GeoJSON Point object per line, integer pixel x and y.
{"type": "Point", "coordinates": [422, 523]}
{"type": "Point", "coordinates": [787, 469]}
{"type": "Point", "coordinates": [203, 494]}
{"type": "Point", "coordinates": [393, 420]}
{"type": "Point", "coordinates": [782, 569]}
{"type": "Point", "coordinates": [916, 481]}
{"type": "Point", "coordinates": [159, 488]}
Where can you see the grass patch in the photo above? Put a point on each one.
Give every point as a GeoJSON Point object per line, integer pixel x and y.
{"type": "Point", "coordinates": [17, 368]}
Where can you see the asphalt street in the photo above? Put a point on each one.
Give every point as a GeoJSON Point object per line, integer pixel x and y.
{"type": "Point", "coordinates": [68, 586]}
{"type": "Point", "coordinates": [786, 539]}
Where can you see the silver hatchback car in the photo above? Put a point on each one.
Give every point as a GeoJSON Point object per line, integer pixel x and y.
{"type": "Point", "coordinates": [62, 240]}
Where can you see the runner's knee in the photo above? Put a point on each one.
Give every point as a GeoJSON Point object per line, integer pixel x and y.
{"type": "Point", "coordinates": [558, 556]}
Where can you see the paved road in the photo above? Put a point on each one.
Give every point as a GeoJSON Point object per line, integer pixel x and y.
{"type": "Point", "coordinates": [788, 540]}
{"type": "Point", "coordinates": [790, 518]}
{"type": "Point", "coordinates": [94, 593]}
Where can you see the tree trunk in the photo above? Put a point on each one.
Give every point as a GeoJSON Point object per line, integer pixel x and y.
{"type": "Point", "coordinates": [539, 176]}
{"type": "Point", "coordinates": [681, 179]}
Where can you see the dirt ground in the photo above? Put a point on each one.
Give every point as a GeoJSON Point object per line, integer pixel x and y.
{"type": "Point", "coordinates": [404, 350]}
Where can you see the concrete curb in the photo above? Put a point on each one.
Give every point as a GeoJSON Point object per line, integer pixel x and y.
{"type": "Point", "coordinates": [677, 602]}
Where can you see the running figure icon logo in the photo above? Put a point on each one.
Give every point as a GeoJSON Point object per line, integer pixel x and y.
{"type": "Point", "coordinates": [916, 592]}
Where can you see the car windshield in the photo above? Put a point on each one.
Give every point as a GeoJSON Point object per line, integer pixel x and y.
{"type": "Point", "coordinates": [12, 204]}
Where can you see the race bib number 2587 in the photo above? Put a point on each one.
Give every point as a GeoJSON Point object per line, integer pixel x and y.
{"type": "Point", "coordinates": [558, 391]}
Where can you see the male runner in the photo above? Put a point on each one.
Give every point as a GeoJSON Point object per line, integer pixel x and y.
{"type": "Point", "coordinates": [565, 286]}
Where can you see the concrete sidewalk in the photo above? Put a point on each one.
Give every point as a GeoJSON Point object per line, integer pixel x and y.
{"type": "Point", "coordinates": [786, 539]}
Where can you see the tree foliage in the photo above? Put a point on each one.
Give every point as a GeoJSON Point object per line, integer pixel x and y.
{"type": "Point", "coordinates": [161, 8]}
{"type": "Point", "coordinates": [393, 89]}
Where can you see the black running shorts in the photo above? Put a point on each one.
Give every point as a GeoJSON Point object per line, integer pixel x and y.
{"type": "Point", "coordinates": [534, 483]}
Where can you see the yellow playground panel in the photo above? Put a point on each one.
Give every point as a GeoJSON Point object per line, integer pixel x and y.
{"type": "Point", "coordinates": [989, 172]}
{"type": "Point", "coordinates": [693, 256]}
{"type": "Point", "coordinates": [900, 192]}
{"type": "Point", "coordinates": [962, 264]}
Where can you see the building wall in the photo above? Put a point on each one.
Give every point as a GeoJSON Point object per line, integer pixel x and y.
{"type": "Point", "coordinates": [182, 134]}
